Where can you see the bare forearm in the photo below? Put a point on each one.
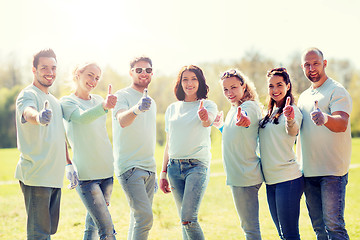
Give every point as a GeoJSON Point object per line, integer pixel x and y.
{"type": "Point", "coordinates": [30, 115]}
{"type": "Point", "coordinates": [337, 122]}
{"type": "Point", "coordinates": [125, 117]}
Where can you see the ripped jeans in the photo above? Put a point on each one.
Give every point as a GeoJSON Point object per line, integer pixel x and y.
{"type": "Point", "coordinates": [95, 194]}
{"type": "Point", "coordinates": [189, 179]}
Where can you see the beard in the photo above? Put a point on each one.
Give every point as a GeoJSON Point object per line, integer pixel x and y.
{"type": "Point", "coordinates": [315, 78]}
{"type": "Point", "coordinates": [44, 83]}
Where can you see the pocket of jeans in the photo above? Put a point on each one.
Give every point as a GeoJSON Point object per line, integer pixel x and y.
{"type": "Point", "coordinates": [126, 175]}
{"type": "Point", "coordinates": [85, 183]}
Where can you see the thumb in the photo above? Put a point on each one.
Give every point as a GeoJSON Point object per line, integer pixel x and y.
{"type": "Point", "coordinates": [316, 106]}
{"type": "Point", "coordinates": [145, 95]}
{"type": "Point", "coordinates": [46, 104]}
{"type": "Point", "coordinates": [201, 104]}
{"type": "Point", "coordinates": [287, 101]}
{"type": "Point", "coordinates": [109, 89]}
{"type": "Point", "coordinates": [238, 116]}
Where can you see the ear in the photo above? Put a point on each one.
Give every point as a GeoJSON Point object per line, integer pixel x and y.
{"type": "Point", "coordinates": [288, 87]}
{"type": "Point", "coordinates": [34, 70]}
{"type": "Point", "coordinates": [131, 73]}
{"type": "Point", "coordinates": [325, 63]}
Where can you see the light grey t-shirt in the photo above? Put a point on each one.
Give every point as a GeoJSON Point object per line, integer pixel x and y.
{"type": "Point", "coordinates": [134, 145]}
{"type": "Point", "coordinates": [324, 152]}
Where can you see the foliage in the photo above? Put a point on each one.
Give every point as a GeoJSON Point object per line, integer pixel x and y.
{"type": "Point", "coordinates": [253, 64]}
{"type": "Point", "coordinates": [7, 116]}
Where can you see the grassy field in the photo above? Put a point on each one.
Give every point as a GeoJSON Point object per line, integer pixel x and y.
{"type": "Point", "coordinates": [218, 216]}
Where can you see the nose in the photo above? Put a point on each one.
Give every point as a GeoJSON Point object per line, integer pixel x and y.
{"type": "Point", "coordinates": [311, 68]}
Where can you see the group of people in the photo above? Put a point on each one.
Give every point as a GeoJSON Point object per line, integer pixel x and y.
{"type": "Point", "coordinates": [256, 148]}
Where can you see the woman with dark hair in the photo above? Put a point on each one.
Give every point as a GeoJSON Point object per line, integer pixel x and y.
{"type": "Point", "coordinates": [282, 173]}
{"type": "Point", "coordinates": [239, 144]}
{"type": "Point", "coordinates": [187, 152]}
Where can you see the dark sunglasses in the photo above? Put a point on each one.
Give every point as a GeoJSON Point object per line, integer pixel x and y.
{"type": "Point", "coordinates": [232, 73]}
{"type": "Point", "coordinates": [140, 70]}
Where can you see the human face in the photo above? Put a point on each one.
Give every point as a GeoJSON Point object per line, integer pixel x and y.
{"type": "Point", "coordinates": [277, 88]}
{"type": "Point", "coordinates": [143, 79]}
{"type": "Point", "coordinates": [44, 73]}
{"type": "Point", "coordinates": [233, 90]}
{"type": "Point", "coordinates": [314, 67]}
{"type": "Point", "coordinates": [190, 85]}
{"type": "Point", "coordinates": [88, 79]}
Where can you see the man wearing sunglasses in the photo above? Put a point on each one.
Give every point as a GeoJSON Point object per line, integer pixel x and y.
{"type": "Point", "coordinates": [134, 135]}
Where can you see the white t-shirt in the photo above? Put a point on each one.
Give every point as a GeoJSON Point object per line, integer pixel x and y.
{"type": "Point", "coordinates": [42, 159]}
{"type": "Point", "coordinates": [87, 135]}
{"type": "Point", "coordinates": [188, 139]}
{"type": "Point", "coordinates": [239, 146]}
{"type": "Point", "coordinates": [324, 152]}
{"type": "Point", "coordinates": [278, 160]}
{"type": "Point", "coordinates": [134, 145]}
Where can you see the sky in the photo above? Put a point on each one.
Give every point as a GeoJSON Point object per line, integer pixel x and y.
{"type": "Point", "coordinates": [177, 33]}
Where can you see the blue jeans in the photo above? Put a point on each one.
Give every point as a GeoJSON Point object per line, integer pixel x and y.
{"type": "Point", "coordinates": [325, 200]}
{"type": "Point", "coordinates": [247, 206]}
{"type": "Point", "coordinates": [42, 206]}
{"type": "Point", "coordinates": [284, 204]}
{"type": "Point", "coordinates": [139, 186]}
{"type": "Point", "coordinates": [188, 179]}
{"type": "Point", "coordinates": [95, 194]}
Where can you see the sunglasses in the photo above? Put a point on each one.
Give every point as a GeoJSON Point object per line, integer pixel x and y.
{"type": "Point", "coordinates": [140, 70]}
{"type": "Point", "coordinates": [232, 73]}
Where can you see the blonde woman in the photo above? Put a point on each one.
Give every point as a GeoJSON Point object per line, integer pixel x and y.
{"type": "Point", "coordinates": [239, 144]}
{"type": "Point", "coordinates": [85, 119]}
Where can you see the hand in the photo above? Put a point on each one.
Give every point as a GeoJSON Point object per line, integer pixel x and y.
{"type": "Point", "coordinates": [219, 120]}
{"type": "Point", "coordinates": [164, 184]}
{"type": "Point", "coordinates": [72, 175]}
{"type": "Point", "coordinates": [242, 120]}
{"type": "Point", "coordinates": [319, 118]}
{"type": "Point", "coordinates": [44, 116]}
{"type": "Point", "coordinates": [288, 110]}
{"type": "Point", "coordinates": [110, 100]}
{"type": "Point", "coordinates": [144, 103]}
{"type": "Point", "coordinates": [202, 112]}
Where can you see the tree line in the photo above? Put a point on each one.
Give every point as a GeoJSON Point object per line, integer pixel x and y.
{"type": "Point", "coordinates": [14, 77]}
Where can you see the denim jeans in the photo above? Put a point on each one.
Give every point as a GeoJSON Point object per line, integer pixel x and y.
{"type": "Point", "coordinates": [284, 204]}
{"type": "Point", "coordinates": [139, 186]}
{"type": "Point", "coordinates": [325, 200]}
{"type": "Point", "coordinates": [189, 179]}
{"type": "Point", "coordinates": [247, 206]}
{"type": "Point", "coordinates": [95, 194]}
{"type": "Point", "coordinates": [43, 208]}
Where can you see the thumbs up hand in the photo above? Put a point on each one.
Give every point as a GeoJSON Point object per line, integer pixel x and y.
{"type": "Point", "coordinates": [110, 100]}
{"type": "Point", "coordinates": [202, 112]}
{"type": "Point", "coordinates": [144, 103]}
{"type": "Point", "coordinates": [319, 118]}
{"type": "Point", "coordinates": [44, 116]}
{"type": "Point", "coordinates": [242, 120]}
{"type": "Point", "coordinates": [288, 110]}
{"type": "Point", "coordinates": [219, 120]}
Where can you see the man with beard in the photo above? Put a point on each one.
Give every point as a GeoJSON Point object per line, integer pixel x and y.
{"type": "Point", "coordinates": [41, 142]}
{"type": "Point", "coordinates": [134, 135]}
{"type": "Point", "coordinates": [325, 137]}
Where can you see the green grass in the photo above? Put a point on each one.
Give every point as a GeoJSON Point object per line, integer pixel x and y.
{"type": "Point", "coordinates": [217, 216]}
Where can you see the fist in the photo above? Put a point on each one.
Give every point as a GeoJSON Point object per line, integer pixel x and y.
{"type": "Point", "coordinates": [242, 120]}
